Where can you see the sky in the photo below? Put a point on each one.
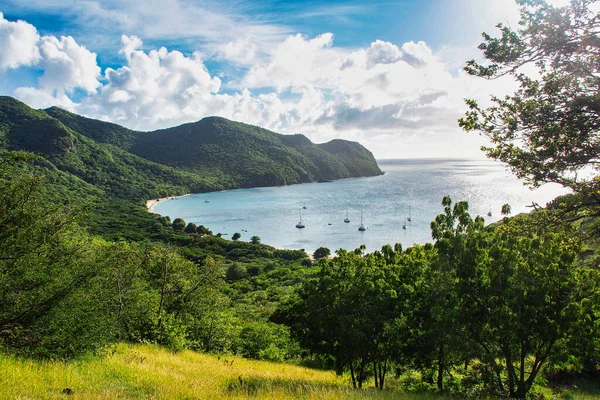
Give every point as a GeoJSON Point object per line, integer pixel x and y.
{"type": "Point", "coordinates": [387, 74]}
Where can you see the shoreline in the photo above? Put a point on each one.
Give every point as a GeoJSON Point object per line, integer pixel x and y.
{"type": "Point", "coordinates": [150, 204]}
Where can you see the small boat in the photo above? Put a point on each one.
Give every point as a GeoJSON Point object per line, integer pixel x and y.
{"type": "Point", "coordinates": [300, 225]}
{"type": "Point", "coordinates": [409, 219]}
{"type": "Point", "coordinates": [304, 207]}
{"type": "Point", "coordinates": [404, 225]}
{"type": "Point", "coordinates": [207, 201]}
{"type": "Point", "coordinates": [329, 223]}
{"type": "Point", "coordinates": [346, 220]}
{"type": "Point", "coordinates": [490, 214]}
{"type": "Point", "coordinates": [362, 226]}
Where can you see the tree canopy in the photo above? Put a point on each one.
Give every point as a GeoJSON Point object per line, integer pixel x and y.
{"type": "Point", "coordinates": [548, 129]}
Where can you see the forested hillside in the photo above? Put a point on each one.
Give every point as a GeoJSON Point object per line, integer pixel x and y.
{"type": "Point", "coordinates": [211, 154]}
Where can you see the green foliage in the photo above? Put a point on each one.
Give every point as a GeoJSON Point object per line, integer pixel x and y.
{"type": "Point", "coordinates": [265, 341]}
{"type": "Point", "coordinates": [236, 271]}
{"type": "Point", "coordinates": [191, 228]}
{"type": "Point", "coordinates": [547, 131]}
{"type": "Point", "coordinates": [321, 252]}
{"type": "Point", "coordinates": [255, 239]}
{"type": "Point", "coordinates": [236, 236]}
{"type": "Point", "coordinates": [178, 224]}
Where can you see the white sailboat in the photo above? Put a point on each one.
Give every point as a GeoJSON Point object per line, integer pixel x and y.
{"type": "Point", "coordinates": [346, 220]}
{"type": "Point", "coordinates": [300, 225]}
{"type": "Point", "coordinates": [409, 219]}
{"type": "Point", "coordinates": [362, 226]}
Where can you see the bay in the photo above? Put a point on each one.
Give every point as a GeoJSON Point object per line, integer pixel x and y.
{"type": "Point", "coordinates": [417, 185]}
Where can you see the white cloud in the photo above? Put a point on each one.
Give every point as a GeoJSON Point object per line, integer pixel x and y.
{"type": "Point", "coordinates": [153, 89]}
{"type": "Point", "coordinates": [241, 51]}
{"type": "Point", "coordinates": [18, 44]}
{"type": "Point", "coordinates": [39, 98]}
{"type": "Point", "coordinates": [67, 65]}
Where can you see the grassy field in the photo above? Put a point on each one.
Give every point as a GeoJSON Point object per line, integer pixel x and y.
{"type": "Point", "coordinates": [148, 372]}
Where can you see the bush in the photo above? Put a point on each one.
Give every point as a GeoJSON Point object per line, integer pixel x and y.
{"type": "Point", "coordinates": [178, 224]}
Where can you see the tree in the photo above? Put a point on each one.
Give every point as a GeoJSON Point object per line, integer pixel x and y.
{"type": "Point", "coordinates": [523, 296]}
{"type": "Point", "coordinates": [321, 252]}
{"type": "Point", "coordinates": [345, 313]}
{"type": "Point", "coordinates": [548, 130]}
{"type": "Point", "coordinates": [255, 239]}
{"type": "Point", "coordinates": [235, 271]}
{"type": "Point", "coordinates": [190, 228]}
{"type": "Point", "coordinates": [441, 339]}
{"type": "Point", "coordinates": [178, 224]}
{"type": "Point", "coordinates": [202, 230]}
{"type": "Point", "coordinates": [47, 266]}
{"type": "Point", "coordinates": [518, 292]}
{"type": "Point", "coordinates": [236, 236]}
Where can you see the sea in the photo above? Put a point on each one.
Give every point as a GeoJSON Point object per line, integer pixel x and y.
{"type": "Point", "coordinates": [409, 189]}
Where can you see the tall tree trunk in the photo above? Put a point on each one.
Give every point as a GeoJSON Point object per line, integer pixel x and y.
{"type": "Point", "coordinates": [382, 372]}
{"type": "Point", "coordinates": [361, 373]}
{"type": "Point", "coordinates": [375, 374]}
{"type": "Point", "coordinates": [162, 292]}
{"type": "Point", "coordinates": [352, 374]}
{"type": "Point", "coordinates": [440, 375]}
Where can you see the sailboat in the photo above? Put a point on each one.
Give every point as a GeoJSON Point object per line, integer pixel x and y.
{"type": "Point", "coordinates": [362, 226]}
{"type": "Point", "coordinates": [346, 220]}
{"type": "Point", "coordinates": [300, 225]}
{"type": "Point", "coordinates": [409, 219]}
{"type": "Point", "coordinates": [404, 225]}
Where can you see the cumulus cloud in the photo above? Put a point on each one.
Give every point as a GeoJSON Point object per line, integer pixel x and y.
{"type": "Point", "coordinates": [153, 88]}
{"type": "Point", "coordinates": [39, 98]}
{"type": "Point", "coordinates": [18, 44]}
{"type": "Point", "coordinates": [67, 65]}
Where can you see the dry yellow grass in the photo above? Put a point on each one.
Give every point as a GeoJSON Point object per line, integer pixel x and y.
{"type": "Point", "coordinates": [149, 372]}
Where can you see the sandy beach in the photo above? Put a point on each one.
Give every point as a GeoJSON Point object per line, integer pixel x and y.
{"type": "Point", "coordinates": [150, 204]}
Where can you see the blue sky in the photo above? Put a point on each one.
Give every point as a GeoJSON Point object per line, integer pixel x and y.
{"type": "Point", "coordinates": [384, 73]}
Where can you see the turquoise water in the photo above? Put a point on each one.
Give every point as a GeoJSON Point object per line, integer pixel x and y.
{"type": "Point", "coordinates": [272, 213]}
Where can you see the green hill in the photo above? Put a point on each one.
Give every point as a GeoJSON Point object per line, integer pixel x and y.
{"type": "Point", "coordinates": [250, 156]}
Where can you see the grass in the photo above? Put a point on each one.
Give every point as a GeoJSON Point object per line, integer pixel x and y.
{"type": "Point", "coordinates": [150, 372]}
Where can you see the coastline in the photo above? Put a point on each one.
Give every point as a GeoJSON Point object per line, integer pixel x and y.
{"type": "Point", "coordinates": [150, 204]}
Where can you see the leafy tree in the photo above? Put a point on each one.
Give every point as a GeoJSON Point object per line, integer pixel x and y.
{"type": "Point", "coordinates": [236, 236]}
{"type": "Point", "coordinates": [522, 297]}
{"type": "Point", "coordinates": [235, 271]}
{"type": "Point", "coordinates": [345, 313]}
{"type": "Point", "coordinates": [178, 224]}
{"type": "Point", "coordinates": [191, 228]}
{"type": "Point", "coordinates": [255, 239]}
{"type": "Point", "coordinates": [518, 292]}
{"type": "Point", "coordinates": [46, 262]}
{"type": "Point", "coordinates": [321, 252]}
{"type": "Point", "coordinates": [548, 130]}
{"type": "Point", "coordinates": [441, 340]}
{"type": "Point", "coordinates": [202, 230]}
